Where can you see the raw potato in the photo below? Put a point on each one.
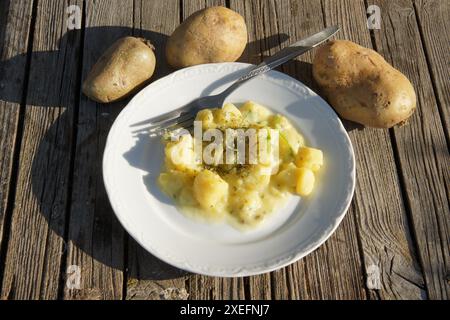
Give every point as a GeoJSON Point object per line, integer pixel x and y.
{"type": "Point", "coordinates": [215, 34]}
{"type": "Point", "coordinates": [124, 67]}
{"type": "Point", "coordinates": [362, 86]}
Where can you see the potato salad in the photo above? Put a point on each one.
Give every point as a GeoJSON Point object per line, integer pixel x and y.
{"type": "Point", "coordinates": [232, 186]}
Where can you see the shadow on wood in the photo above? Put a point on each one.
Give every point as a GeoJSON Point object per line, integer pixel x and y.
{"type": "Point", "coordinates": [82, 216]}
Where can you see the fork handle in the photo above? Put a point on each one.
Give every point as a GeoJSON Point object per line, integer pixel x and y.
{"type": "Point", "coordinates": [284, 55]}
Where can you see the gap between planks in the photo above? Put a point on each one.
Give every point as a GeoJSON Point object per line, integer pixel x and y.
{"type": "Point", "coordinates": [63, 271]}
{"type": "Point", "coordinates": [13, 176]}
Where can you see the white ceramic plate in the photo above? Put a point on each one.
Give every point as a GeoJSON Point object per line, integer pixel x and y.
{"type": "Point", "coordinates": [132, 163]}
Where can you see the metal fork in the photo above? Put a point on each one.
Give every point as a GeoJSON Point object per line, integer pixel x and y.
{"type": "Point", "coordinates": [184, 116]}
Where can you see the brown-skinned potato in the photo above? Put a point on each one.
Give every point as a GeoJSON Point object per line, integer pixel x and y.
{"type": "Point", "coordinates": [214, 34]}
{"type": "Point", "coordinates": [124, 67]}
{"type": "Point", "coordinates": [361, 86]}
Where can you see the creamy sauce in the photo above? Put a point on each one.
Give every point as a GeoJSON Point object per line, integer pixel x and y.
{"type": "Point", "coordinates": [272, 199]}
{"type": "Point", "coordinates": [241, 195]}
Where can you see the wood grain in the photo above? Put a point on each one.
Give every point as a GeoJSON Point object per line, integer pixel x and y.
{"type": "Point", "coordinates": [421, 146]}
{"type": "Point", "coordinates": [96, 239]}
{"type": "Point", "coordinates": [36, 244]}
{"type": "Point", "coordinates": [264, 35]}
{"type": "Point", "coordinates": [434, 25]}
{"type": "Point", "coordinates": [203, 287]}
{"type": "Point", "coordinates": [260, 40]}
{"type": "Point", "coordinates": [380, 212]}
{"type": "Point", "coordinates": [14, 37]}
{"type": "Point", "coordinates": [148, 277]}
{"type": "Point", "coordinates": [314, 276]}
{"type": "Point", "coordinates": [397, 223]}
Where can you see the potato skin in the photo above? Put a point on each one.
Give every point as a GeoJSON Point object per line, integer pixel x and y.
{"type": "Point", "coordinates": [362, 86]}
{"type": "Point", "coordinates": [214, 34]}
{"type": "Point", "coordinates": [124, 67]}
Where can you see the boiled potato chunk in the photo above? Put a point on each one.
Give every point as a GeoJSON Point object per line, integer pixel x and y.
{"type": "Point", "coordinates": [289, 136]}
{"type": "Point", "coordinates": [186, 197]}
{"type": "Point", "coordinates": [268, 155]}
{"type": "Point", "coordinates": [228, 115]}
{"type": "Point", "coordinates": [210, 189]}
{"type": "Point", "coordinates": [287, 178]}
{"type": "Point", "coordinates": [174, 182]}
{"type": "Point", "coordinates": [254, 113]}
{"type": "Point", "coordinates": [310, 158]}
{"type": "Point", "coordinates": [305, 181]}
{"type": "Point", "coordinates": [293, 138]}
{"type": "Point", "coordinates": [214, 34]}
{"type": "Point", "coordinates": [247, 205]}
{"type": "Point", "coordinates": [257, 179]}
{"type": "Point", "coordinates": [299, 180]}
{"type": "Point", "coordinates": [180, 154]}
{"type": "Point", "coordinates": [279, 122]}
{"type": "Point", "coordinates": [207, 118]}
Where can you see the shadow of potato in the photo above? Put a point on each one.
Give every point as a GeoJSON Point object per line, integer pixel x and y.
{"type": "Point", "coordinates": [77, 209]}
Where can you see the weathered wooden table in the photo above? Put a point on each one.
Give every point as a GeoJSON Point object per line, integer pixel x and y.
{"type": "Point", "coordinates": [55, 219]}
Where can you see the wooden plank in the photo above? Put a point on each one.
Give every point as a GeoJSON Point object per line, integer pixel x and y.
{"type": "Point", "coordinates": [96, 239]}
{"type": "Point", "coordinates": [14, 37]}
{"type": "Point", "coordinates": [284, 19]}
{"type": "Point", "coordinates": [217, 288]}
{"type": "Point", "coordinates": [382, 221]}
{"type": "Point", "coordinates": [203, 287]}
{"type": "Point", "coordinates": [259, 286]}
{"type": "Point", "coordinates": [422, 149]}
{"type": "Point", "coordinates": [434, 25]}
{"type": "Point", "coordinates": [313, 277]}
{"type": "Point", "coordinates": [261, 22]}
{"type": "Point", "coordinates": [148, 277]}
{"type": "Point", "coordinates": [33, 261]}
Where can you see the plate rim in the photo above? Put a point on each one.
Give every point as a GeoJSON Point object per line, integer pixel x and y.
{"type": "Point", "coordinates": [290, 257]}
